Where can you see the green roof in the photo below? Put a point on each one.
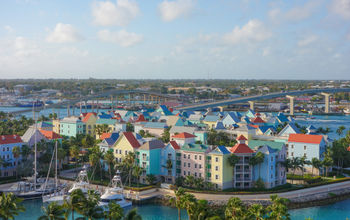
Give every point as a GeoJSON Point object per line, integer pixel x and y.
{"type": "Point", "coordinates": [273, 144]}
{"type": "Point", "coordinates": [106, 121]}
{"type": "Point", "coordinates": [195, 147]}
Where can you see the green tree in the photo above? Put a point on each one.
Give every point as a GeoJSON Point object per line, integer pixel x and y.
{"type": "Point", "coordinates": [137, 171]}
{"type": "Point", "coordinates": [151, 179]}
{"type": "Point", "coordinates": [315, 163]}
{"type": "Point", "coordinates": [110, 160]}
{"type": "Point", "coordinates": [257, 159]}
{"type": "Point", "coordinates": [10, 206]}
{"type": "Point", "coordinates": [166, 135]}
{"type": "Point", "coordinates": [75, 201]}
{"type": "Point", "coordinates": [133, 215]}
{"type": "Point", "coordinates": [327, 160]}
{"type": "Point", "coordinates": [278, 209]}
{"type": "Point", "coordinates": [90, 207]}
{"type": "Point", "coordinates": [235, 210]}
{"type": "Point", "coordinates": [179, 200]}
{"type": "Point", "coordinates": [74, 153]}
{"type": "Point", "coordinates": [16, 151]}
{"type": "Point", "coordinates": [115, 212]}
{"type": "Point", "coordinates": [53, 211]}
{"type": "Point", "coordinates": [340, 130]}
{"type": "Point", "coordinates": [256, 211]}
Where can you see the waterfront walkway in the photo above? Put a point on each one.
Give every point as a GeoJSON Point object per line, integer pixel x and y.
{"type": "Point", "coordinates": [296, 194]}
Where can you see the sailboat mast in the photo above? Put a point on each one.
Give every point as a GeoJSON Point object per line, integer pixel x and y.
{"type": "Point", "coordinates": [56, 166]}
{"type": "Point", "coordinates": [35, 146]}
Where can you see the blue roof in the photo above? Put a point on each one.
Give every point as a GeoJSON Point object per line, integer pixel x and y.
{"type": "Point", "coordinates": [165, 110]}
{"type": "Point", "coordinates": [282, 118]}
{"type": "Point", "coordinates": [103, 115]}
{"type": "Point", "coordinates": [219, 126]}
{"type": "Point", "coordinates": [179, 122]}
{"type": "Point", "coordinates": [211, 118]}
{"type": "Point", "coordinates": [311, 127]}
{"type": "Point", "coordinates": [294, 127]}
{"type": "Point", "coordinates": [233, 115]}
{"type": "Point", "coordinates": [223, 149]}
{"type": "Point", "coordinates": [263, 129]}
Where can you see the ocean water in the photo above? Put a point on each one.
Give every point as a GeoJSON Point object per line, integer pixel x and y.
{"type": "Point", "coordinates": [336, 211]}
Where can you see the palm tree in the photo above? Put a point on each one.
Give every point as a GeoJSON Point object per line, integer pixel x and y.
{"type": "Point", "coordinates": [137, 171]}
{"type": "Point", "coordinates": [10, 206]}
{"type": "Point", "coordinates": [16, 151]}
{"type": "Point", "coordinates": [53, 211]}
{"type": "Point", "coordinates": [295, 164]}
{"type": "Point", "coordinates": [133, 215]}
{"type": "Point", "coordinates": [235, 209]}
{"type": "Point", "coordinates": [179, 201]}
{"type": "Point", "coordinates": [90, 208]}
{"type": "Point", "coordinates": [189, 181]}
{"type": "Point", "coordinates": [115, 212]}
{"type": "Point", "coordinates": [233, 160]}
{"type": "Point", "coordinates": [315, 163]}
{"type": "Point", "coordinates": [303, 162]}
{"type": "Point", "coordinates": [129, 162]}
{"type": "Point", "coordinates": [110, 160]}
{"type": "Point", "coordinates": [169, 166]}
{"type": "Point", "coordinates": [327, 160]}
{"type": "Point", "coordinates": [257, 212]}
{"type": "Point", "coordinates": [93, 160]}
{"type": "Point", "coordinates": [76, 200]}
{"type": "Point", "coordinates": [340, 130]}
{"type": "Point", "coordinates": [74, 153]}
{"type": "Point", "coordinates": [151, 178]}
{"type": "Point", "coordinates": [278, 209]}
{"type": "Point", "coordinates": [190, 202]}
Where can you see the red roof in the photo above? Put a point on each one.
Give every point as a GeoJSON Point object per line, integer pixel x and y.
{"type": "Point", "coordinates": [258, 120]}
{"type": "Point", "coordinates": [10, 139]}
{"type": "Point", "coordinates": [87, 116]}
{"type": "Point", "coordinates": [348, 149]}
{"type": "Point", "coordinates": [175, 145]}
{"type": "Point", "coordinates": [184, 135]}
{"type": "Point", "coordinates": [242, 138]}
{"type": "Point", "coordinates": [257, 114]}
{"type": "Point", "coordinates": [105, 135]}
{"type": "Point", "coordinates": [305, 138]}
{"type": "Point", "coordinates": [141, 118]}
{"type": "Point", "coordinates": [132, 139]}
{"type": "Point", "coordinates": [241, 149]}
{"type": "Point", "coordinates": [50, 134]}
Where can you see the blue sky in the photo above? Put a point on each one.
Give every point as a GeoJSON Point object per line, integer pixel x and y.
{"type": "Point", "coordinates": [171, 39]}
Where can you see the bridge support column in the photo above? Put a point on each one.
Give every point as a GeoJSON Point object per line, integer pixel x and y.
{"type": "Point", "coordinates": [251, 105]}
{"type": "Point", "coordinates": [326, 101]}
{"type": "Point", "coordinates": [144, 99]}
{"type": "Point", "coordinates": [291, 104]}
{"type": "Point", "coordinates": [221, 108]}
{"type": "Point", "coordinates": [112, 104]}
{"type": "Point", "coordinates": [81, 107]}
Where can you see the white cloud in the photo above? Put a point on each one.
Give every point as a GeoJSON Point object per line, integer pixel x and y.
{"type": "Point", "coordinates": [274, 14]}
{"type": "Point", "coordinates": [171, 10]}
{"type": "Point", "coordinates": [64, 33]}
{"type": "Point", "coordinates": [266, 51]}
{"type": "Point", "coordinates": [307, 40]}
{"type": "Point", "coordinates": [109, 14]}
{"type": "Point", "coordinates": [253, 31]}
{"type": "Point", "coordinates": [302, 12]}
{"type": "Point", "coordinates": [158, 59]}
{"type": "Point", "coordinates": [122, 37]}
{"type": "Point", "coordinates": [25, 48]}
{"type": "Point", "coordinates": [341, 8]}
{"type": "Point", "coordinates": [74, 51]}
{"type": "Point", "coordinates": [9, 29]}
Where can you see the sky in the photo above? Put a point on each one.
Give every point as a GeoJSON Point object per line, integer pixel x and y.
{"type": "Point", "coordinates": [175, 39]}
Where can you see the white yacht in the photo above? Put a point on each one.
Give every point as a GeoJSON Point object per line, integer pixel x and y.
{"type": "Point", "coordinates": [114, 193]}
{"type": "Point", "coordinates": [347, 111]}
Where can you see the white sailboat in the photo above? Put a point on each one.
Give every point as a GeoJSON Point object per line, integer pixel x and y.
{"type": "Point", "coordinates": [114, 193]}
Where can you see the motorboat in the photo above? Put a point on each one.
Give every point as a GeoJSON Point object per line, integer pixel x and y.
{"type": "Point", "coordinates": [347, 111]}
{"type": "Point", "coordinates": [114, 193]}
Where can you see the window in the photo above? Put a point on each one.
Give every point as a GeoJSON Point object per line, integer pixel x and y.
{"type": "Point", "coordinates": [188, 173]}
{"type": "Point", "coordinates": [189, 156]}
{"type": "Point", "coordinates": [126, 152]}
{"type": "Point", "coordinates": [184, 164]}
{"type": "Point", "coordinates": [195, 157]}
{"type": "Point", "coordinates": [120, 151]}
{"type": "Point", "coordinates": [200, 166]}
{"type": "Point", "coordinates": [292, 154]}
{"type": "Point", "coordinates": [195, 165]}
{"type": "Point", "coordinates": [200, 175]}
{"type": "Point", "coordinates": [271, 167]}
{"type": "Point", "coordinates": [292, 146]}
{"type": "Point", "coordinates": [216, 177]}
{"type": "Point", "coordinates": [304, 154]}
{"type": "Point", "coordinates": [184, 172]}
{"type": "Point", "coordinates": [304, 147]}
{"type": "Point", "coordinates": [271, 159]}
{"type": "Point", "coordinates": [195, 174]}
{"type": "Point", "coordinates": [189, 165]}
{"type": "Point", "coordinates": [200, 157]}
{"type": "Point", "coordinates": [216, 159]}
{"type": "Point", "coordinates": [216, 168]}
{"type": "Point", "coordinates": [184, 156]}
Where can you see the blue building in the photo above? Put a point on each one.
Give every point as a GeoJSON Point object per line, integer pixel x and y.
{"type": "Point", "coordinates": [7, 143]}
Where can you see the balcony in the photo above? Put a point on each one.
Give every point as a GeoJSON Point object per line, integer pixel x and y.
{"type": "Point", "coordinates": [145, 158]}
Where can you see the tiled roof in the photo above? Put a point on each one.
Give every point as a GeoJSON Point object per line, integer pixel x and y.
{"type": "Point", "coordinates": [131, 139]}
{"type": "Point", "coordinates": [195, 147]}
{"type": "Point", "coordinates": [184, 135]}
{"type": "Point", "coordinates": [305, 138]}
{"type": "Point", "coordinates": [175, 145]}
{"type": "Point", "coordinates": [241, 149]}
{"type": "Point", "coordinates": [50, 134]}
{"type": "Point", "coordinates": [141, 118]}
{"type": "Point", "coordinates": [258, 120]}
{"type": "Point", "coordinates": [150, 145]}
{"type": "Point", "coordinates": [105, 135]}
{"type": "Point", "coordinates": [10, 139]}
{"type": "Point", "coordinates": [87, 116]}
{"type": "Point", "coordinates": [220, 150]}
{"type": "Point", "coordinates": [273, 144]}
{"type": "Point", "coordinates": [241, 138]}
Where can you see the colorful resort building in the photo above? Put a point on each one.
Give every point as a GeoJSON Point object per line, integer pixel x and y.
{"type": "Point", "coordinates": [10, 160]}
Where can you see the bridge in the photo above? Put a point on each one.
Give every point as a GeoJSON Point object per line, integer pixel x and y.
{"type": "Point", "coordinates": [148, 97]}
{"type": "Point", "coordinates": [250, 99]}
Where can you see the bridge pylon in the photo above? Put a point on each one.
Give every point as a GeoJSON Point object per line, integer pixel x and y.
{"type": "Point", "coordinates": [326, 101]}
{"type": "Point", "coordinates": [291, 104]}
{"type": "Point", "coordinates": [251, 105]}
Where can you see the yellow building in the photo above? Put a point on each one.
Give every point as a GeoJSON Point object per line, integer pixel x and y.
{"type": "Point", "coordinates": [221, 172]}
{"type": "Point", "coordinates": [56, 126]}
{"type": "Point", "coordinates": [126, 143]}
{"type": "Point", "coordinates": [210, 121]}
{"type": "Point", "coordinates": [90, 122]}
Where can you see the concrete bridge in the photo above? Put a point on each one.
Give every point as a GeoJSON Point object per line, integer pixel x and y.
{"type": "Point", "coordinates": [148, 97]}
{"type": "Point", "coordinates": [250, 99]}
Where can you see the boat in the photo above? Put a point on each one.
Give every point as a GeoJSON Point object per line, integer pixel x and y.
{"type": "Point", "coordinates": [114, 193]}
{"type": "Point", "coordinates": [36, 104]}
{"type": "Point", "coordinates": [82, 182]}
{"type": "Point", "coordinates": [346, 111]}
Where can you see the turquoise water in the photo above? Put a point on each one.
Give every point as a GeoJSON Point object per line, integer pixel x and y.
{"type": "Point", "coordinates": [335, 211]}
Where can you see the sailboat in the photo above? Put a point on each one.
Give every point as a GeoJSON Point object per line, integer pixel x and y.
{"type": "Point", "coordinates": [114, 193]}
{"type": "Point", "coordinates": [58, 192]}
{"type": "Point", "coordinates": [33, 188]}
